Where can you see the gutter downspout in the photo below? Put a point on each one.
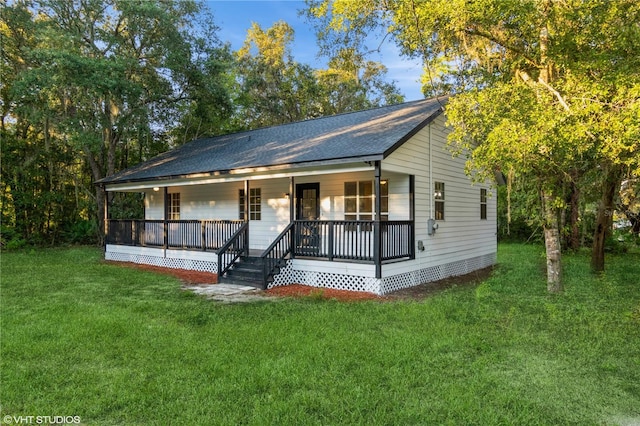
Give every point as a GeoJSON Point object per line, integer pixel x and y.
{"type": "Point", "coordinates": [430, 190]}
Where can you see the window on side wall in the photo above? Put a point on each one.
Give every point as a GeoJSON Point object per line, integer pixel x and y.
{"type": "Point", "coordinates": [483, 203]}
{"type": "Point", "coordinates": [438, 195]}
{"type": "Point", "coordinates": [174, 206]}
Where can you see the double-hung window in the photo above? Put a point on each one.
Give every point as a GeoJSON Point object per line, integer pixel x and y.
{"type": "Point", "coordinates": [174, 206]}
{"type": "Point", "coordinates": [359, 200]}
{"type": "Point", "coordinates": [241, 204]}
{"type": "Point", "coordinates": [483, 203]}
{"type": "Point", "coordinates": [438, 195]}
{"type": "Point", "coordinates": [255, 204]}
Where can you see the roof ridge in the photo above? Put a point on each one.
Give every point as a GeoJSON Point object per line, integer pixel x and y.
{"type": "Point", "coordinates": [323, 117]}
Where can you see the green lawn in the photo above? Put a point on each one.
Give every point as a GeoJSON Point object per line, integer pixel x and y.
{"type": "Point", "coordinates": [119, 346]}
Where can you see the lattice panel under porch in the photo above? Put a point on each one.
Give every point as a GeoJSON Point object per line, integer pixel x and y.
{"type": "Point", "coordinates": [165, 262]}
{"type": "Point", "coordinates": [288, 275]}
{"type": "Point", "coordinates": [435, 273]}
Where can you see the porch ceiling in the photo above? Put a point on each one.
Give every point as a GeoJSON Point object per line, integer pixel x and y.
{"type": "Point", "coordinates": [242, 175]}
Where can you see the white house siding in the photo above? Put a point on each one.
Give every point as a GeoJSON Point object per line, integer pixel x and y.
{"type": "Point", "coordinates": [463, 242]}
{"type": "Point", "coordinates": [220, 201]}
{"type": "Point", "coordinates": [332, 193]}
{"type": "Point", "coordinates": [275, 212]}
{"type": "Point", "coordinates": [198, 202]}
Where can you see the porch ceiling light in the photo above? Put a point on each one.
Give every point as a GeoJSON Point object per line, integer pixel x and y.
{"type": "Point", "coordinates": [156, 189]}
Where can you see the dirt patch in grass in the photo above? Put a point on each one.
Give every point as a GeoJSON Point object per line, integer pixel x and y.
{"type": "Point", "coordinates": [184, 275]}
{"type": "Point", "coordinates": [298, 290]}
{"type": "Point", "coordinates": [428, 289]}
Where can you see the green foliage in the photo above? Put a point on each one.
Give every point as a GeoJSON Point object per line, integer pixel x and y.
{"type": "Point", "coordinates": [274, 89]}
{"type": "Point", "coordinates": [518, 215]}
{"type": "Point", "coordinates": [81, 232]}
{"type": "Point", "coordinates": [548, 90]}
{"type": "Point", "coordinates": [120, 346]}
{"type": "Point", "coordinates": [86, 86]}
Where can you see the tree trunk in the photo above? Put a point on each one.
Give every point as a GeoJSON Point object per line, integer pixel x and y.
{"type": "Point", "coordinates": [100, 193]}
{"type": "Point", "coordinates": [635, 222]}
{"type": "Point", "coordinates": [552, 245]}
{"type": "Point", "coordinates": [604, 218]}
{"type": "Point", "coordinates": [100, 201]}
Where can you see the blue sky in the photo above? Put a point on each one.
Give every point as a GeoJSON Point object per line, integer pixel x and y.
{"type": "Point", "coordinates": [235, 17]}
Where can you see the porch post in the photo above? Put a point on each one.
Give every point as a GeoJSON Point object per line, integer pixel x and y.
{"type": "Point", "coordinates": [165, 227]}
{"type": "Point", "coordinates": [376, 225]}
{"type": "Point", "coordinates": [292, 214]}
{"type": "Point", "coordinates": [292, 199]}
{"type": "Point", "coordinates": [246, 215]}
{"type": "Point", "coordinates": [106, 215]}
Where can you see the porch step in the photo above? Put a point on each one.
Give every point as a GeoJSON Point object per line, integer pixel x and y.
{"type": "Point", "coordinates": [247, 271]}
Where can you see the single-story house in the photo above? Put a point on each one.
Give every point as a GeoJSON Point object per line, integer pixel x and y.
{"type": "Point", "coordinates": [367, 201]}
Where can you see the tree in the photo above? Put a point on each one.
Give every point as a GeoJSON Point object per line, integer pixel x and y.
{"type": "Point", "coordinates": [274, 89]}
{"type": "Point", "coordinates": [101, 80]}
{"type": "Point", "coordinates": [547, 89]}
{"type": "Point", "coordinates": [352, 83]}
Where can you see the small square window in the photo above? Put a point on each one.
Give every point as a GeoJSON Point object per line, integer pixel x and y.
{"type": "Point", "coordinates": [359, 200]}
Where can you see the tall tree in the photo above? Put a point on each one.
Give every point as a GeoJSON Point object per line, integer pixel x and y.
{"type": "Point", "coordinates": [352, 83]}
{"type": "Point", "coordinates": [101, 79]}
{"type": "Point", "coordinates": [548, 89]}
{"type": "Point", "coordinates": [274, 88]}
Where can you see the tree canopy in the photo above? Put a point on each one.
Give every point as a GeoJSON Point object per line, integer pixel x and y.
{"type": "Point", "coordinates": [543, 89]}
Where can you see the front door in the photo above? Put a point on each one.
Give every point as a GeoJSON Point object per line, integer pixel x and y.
{"type": "Point", "coordinates": [308, 201]}
{"type": "Point", "coordinates": [307, 209]}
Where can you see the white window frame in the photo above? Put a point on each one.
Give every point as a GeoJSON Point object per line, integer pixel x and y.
{"type": "Point", "coordinates": [483, 204]}
{"type": "Point", "coordinates": [360, 199]}
{"type": "Point", "coordinates": [255, 204]}
{"type": "Point", "coordinates": [174, 205]}
{"type": "Point", "coordinates": [439, 200]}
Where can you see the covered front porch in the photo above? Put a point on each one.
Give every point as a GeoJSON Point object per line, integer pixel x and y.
{"type": "Point", "coordinates": [224, 242]}
{"type": "Point", "coordinates": [359, 217]}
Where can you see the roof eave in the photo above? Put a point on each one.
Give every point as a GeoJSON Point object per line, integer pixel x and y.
{"type": "Point", "coordinates": [246, 171]}
{"type": "Point", "coordinates": [413, 132]}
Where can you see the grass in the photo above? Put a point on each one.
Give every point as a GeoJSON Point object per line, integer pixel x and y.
{"type": "Point", "coordinates": [115, 346]}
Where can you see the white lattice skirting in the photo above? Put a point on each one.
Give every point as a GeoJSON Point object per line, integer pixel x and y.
{"type": "Point", "coordinates": [165, 262]}
{"type": "Point", "coordinates": [289, 275]}
{"type": "Point", "coordinates": [382, 286]}
{"type": "Point", "coordinates": [435, 273]}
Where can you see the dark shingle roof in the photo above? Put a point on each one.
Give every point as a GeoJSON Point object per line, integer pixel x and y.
{"type": "Point", "coordinates": [344, 137]}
